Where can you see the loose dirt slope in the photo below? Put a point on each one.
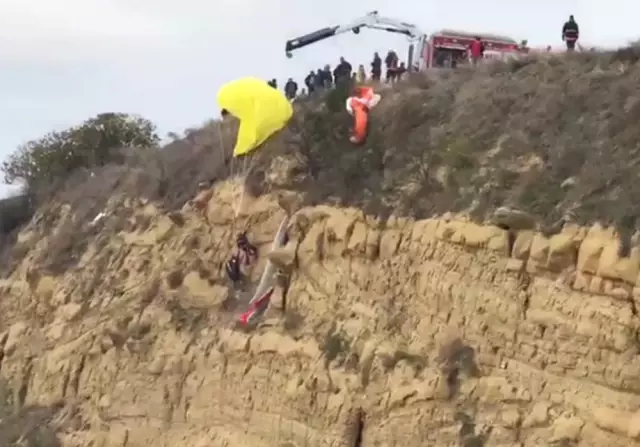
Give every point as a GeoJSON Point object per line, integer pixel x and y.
{"type": "Point", "coordinates": [402, 324]}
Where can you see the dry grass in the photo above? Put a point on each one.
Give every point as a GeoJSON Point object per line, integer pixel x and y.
{"type": "Point", "coordinates": [556, 137]}
{"type": "Point", "coordinates": [552, 137]}
{"type": "Point", "coordinates": [27, 426]}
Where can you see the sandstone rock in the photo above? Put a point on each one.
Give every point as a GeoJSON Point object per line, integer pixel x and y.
{"type": "Point", "coordinates": [450, 231]}
{"type": "Point", "coordinates": [612, 420]}
{"type": "Point", "coordinates": [358, 241]}
{"type": "Point", "coordinates": [596, 284]}
{"type": "Point", "coordinates": [481, 236]}
{"type": "Point", "coordinates": [69, 311]}
{"type": "Point", "coordinates": [424, 231]}
{"type": "Point", "coordinates": [582, 282]}
{"type": "Point", "coordinates": [611, 266]}
{"type": "Point", "coordinates": [538, 416]}
{"type": "Point", "coordinates": [513, 219]}
{"type": "Point", "coordinates": [633, 427]}
{"type": "Point", "coordinates": [337, 231]}
{"type": "Point", "coordinates": [591, 249]}
{"type": "Point", "coordinates": [514, 265]}
{"type": "Point", "coordinates": [389, 243]}
{"type": "Point", "coordinates": [522, 244]}
{"type": "Point", "coordinates": [284, 257]}
{"type": "Point", "coordinates": [156, 367]}
{"type": "Point", "coordinates": [539, 251]}
{"type": "Point", "coordinates": [500, 389]}
{"type": "Point", "coordinates": [45, 287]}
{"type": "Point", "coordinates": [299, 226]}
{"type": "Point", "coordinates": [499, 243]}
{"type": "Point", "coordinates": [562, 252]}
{"type": "Point", "coordinates": [616, 290]}
{"type": "Point", "coordinates": [290, 202]}
{"type": "Point", "coordinates": [566, 428]}
{"type": "Point", "coordinates": [538, 254]}
{"type": "Point", "coordinates": [510, 418]}
{"type": "Point", "coordinates": [373, 243]}
{"type": "Point", "coordinates": [16, 333]}
{"type": "Point", "coordinates": [311, 248]}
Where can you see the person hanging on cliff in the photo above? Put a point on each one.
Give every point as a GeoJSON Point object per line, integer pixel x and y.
{"type": "Point", "coordinates": [248, 251]}
{"type": "Point", "coordinates": [570, 33]}
{"type": "Point", "coordinates": [245, 255]}
{"type": "Point", "coordinates": [358, 105]}
{"type": "Point", "coordinates": [232, 267]}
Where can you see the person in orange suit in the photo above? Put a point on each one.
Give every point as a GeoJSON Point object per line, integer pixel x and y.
{"type": "Point", "coordinates": [359, 105]}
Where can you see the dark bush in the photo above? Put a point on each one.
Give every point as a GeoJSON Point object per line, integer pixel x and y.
{"type": "Point", "coordinates": [96, 142]}
{"type": "Point", "coordinates": [14, 211]}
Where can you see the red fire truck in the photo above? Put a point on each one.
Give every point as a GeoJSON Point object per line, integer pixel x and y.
{"type": "Point", "coordinates": [448, 47]}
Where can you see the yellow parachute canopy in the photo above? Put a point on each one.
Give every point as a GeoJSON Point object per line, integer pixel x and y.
{"type": "Point", "coordinates": [261, 109]}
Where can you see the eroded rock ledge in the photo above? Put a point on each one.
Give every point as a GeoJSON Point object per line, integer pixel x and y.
{"type": "Point", "coordinates": [436, 332]}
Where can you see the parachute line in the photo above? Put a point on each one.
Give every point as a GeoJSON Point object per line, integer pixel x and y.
{"type": "Point", "coordinates": [241, 181]}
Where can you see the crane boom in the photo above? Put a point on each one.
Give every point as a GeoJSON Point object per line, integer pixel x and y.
{"type": "Point", "coordinates": [371, 20]}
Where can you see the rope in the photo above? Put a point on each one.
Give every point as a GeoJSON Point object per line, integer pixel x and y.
{"type": "Point", "coordinates": [241, 181]}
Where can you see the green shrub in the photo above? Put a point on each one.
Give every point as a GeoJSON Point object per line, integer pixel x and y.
{"type": "Point", "coordinates": [336, 98]}
{"type": "Point", "coordinates": [95, 142]}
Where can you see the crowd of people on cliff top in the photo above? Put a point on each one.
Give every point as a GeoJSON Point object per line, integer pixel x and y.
{"type": "Point", "coordinates": [325, 78]}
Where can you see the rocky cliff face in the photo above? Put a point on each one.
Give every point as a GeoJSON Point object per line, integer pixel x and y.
{"type": "Point", "coordinates": [395, 322]}
{"type": "Point", "coordinates": [393, 332]}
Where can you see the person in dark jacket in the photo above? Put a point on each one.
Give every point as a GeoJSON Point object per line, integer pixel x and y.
{"type": "Point", "coordinates": [391, 61]}
{"type": "Point", "coordinates": [400, 72]}
{"type": "Point", "coordinates": [245, 255]}
{"type": "Point", "coordinates": [232, 267]}
{"type": "Point", "coordinates": [319, 80]}
{"type": "Point", "coordinates": [291, 89]}
{"type": "Point", "coordinates": [273, 83]}
{"type": "Point", "coordinates": [310, 82]}
{"type": "Point", "coordinates": [248, 251]}
{"type": "Point", "coordinates": [327, 78]}
{"type": "Point", "coordinates": [376, 67]}
{"type": "Point", "coordinates": [570, 33]}
{"type": "Point", "coordinates": [342, 71]}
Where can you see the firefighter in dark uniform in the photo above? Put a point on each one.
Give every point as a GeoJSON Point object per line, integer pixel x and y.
{"type": "Point", "coordinates": [570, 33]}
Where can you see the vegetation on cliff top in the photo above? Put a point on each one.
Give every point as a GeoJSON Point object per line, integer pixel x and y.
{"type": "Point", "coordinates": [555, 136]}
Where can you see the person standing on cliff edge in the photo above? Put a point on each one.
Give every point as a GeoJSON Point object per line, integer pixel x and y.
{"type": "Point", "coordinates": [476, 50]}
{"type": "Point", "coordinates": [570, 33]}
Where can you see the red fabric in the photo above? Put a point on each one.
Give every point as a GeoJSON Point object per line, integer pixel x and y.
{"type": "Point", "coordinates": [259, 305]}
{"type": "Point", "coordinates": [360, 121]}
{"type": "Point", "coordinates": [364, 93]}
{"type": "Point", "coordinates": [476, 49]}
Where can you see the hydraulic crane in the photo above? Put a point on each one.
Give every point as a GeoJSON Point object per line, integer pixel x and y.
{"type": "Point", "coordinates": [371, 20]}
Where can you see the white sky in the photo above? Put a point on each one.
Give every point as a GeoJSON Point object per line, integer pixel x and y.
{"type": "Point", "coordinates": [63, 61]}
